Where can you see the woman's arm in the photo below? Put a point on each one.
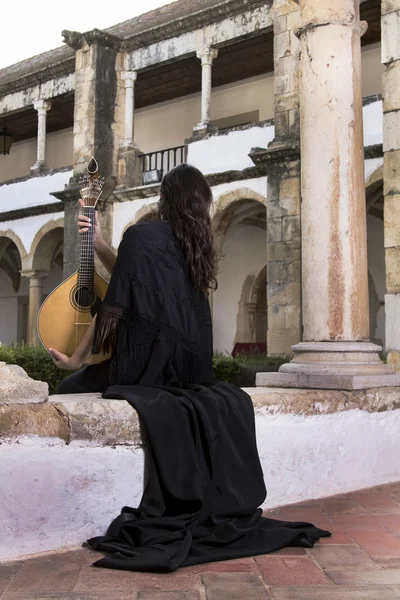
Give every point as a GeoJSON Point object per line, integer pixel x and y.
{"type": "Point", "coordinates": [102, 249]}
{"type": "Point", "coordinates": [81, 354]}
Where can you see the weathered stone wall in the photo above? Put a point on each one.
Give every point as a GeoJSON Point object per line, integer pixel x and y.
{"type": "Point", "coordinates": [283, 205]}
{"type": "Point", "coordinates": [391, 147]}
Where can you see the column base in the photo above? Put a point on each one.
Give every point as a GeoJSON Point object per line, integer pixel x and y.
{"type": "Point", "coordinates": [333, 365]}
{"type": "Point", "coordinates": [39, 170]}
{"type": "Point", "coordinates": [204, 128]}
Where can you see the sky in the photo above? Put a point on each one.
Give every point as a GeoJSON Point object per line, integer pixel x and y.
{"type": "Point", "coordinates": [29, 28]}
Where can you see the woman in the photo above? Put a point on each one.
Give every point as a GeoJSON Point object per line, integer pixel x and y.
{"type": "Point", "coordinates": [205, 479]}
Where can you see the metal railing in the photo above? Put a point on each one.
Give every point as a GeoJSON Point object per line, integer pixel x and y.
{"type": "Point", "coordinates": [162, 161]}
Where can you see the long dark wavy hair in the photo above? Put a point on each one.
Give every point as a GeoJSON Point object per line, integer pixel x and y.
{"type": "Point", "coordinates": [185, 202]}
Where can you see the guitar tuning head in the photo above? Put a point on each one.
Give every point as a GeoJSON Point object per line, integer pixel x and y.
{"type": "Point", "coordinates": [92, 167]}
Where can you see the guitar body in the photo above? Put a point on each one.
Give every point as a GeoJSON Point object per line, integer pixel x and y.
{"type": "Point", "coordinates": [67, 312]}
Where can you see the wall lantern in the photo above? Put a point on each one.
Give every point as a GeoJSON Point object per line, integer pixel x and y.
{"type": "Point", "coordinates": [5, 140]}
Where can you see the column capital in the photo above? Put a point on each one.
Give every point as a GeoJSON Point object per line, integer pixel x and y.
{"type": "Point", "coordinates": [34, 274]}
{"type": "Point", "coordinates": [42, 106]}
{"type": "Point", "coordinates": [315, 14]}
{"type": "Point", "coordinates": [207, 54]}
{"type": "Point", "coordinates": [129, 78]}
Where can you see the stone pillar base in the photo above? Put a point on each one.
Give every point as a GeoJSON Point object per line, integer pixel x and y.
{"type": "Point", "coordinates": [333, 365]}
{"type": "Point", "coordinates": [205, 128]}
{"type": "Point", "coordinates": [39, 170]}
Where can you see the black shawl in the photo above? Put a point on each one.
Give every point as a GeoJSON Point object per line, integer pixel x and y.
{"type": "Point", "coordinates": [205, 478]}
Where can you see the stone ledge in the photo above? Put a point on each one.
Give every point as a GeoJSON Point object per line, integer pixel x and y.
{"type": "Point", "coordinates": [89, 419]}
{"type": "Point", "coordinates": [309, 402]}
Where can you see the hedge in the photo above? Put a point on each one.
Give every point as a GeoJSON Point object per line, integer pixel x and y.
{"type": "Point", "coordinates": [240, 371]}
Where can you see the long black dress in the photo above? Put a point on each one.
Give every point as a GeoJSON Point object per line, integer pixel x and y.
{"type": "Point", "coordinates": [205, 479]}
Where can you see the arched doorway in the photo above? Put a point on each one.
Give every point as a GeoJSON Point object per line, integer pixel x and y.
{"type": "Point", "coordinates": [11, 327]}
{"type": "Point", "coordinates": [239, 304]}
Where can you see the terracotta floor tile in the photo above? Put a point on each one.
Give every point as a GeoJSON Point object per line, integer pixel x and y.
{"type": "Point", "coordinates": [290, 571]}
{"type": "Point", "coordinates": [342, 505]}
{"type": "Point", "coordinates": [49, 573]}
{"type": "Point", "coordinates": [233, 586]}
{"type": "Point", "coordinates": [376, 502]}
{"type": "Point", "coordinates": [175, 595]}
{"type": "Point", "coordinates": [242, 565]}
{"type": "Point", "coordinates": [336, 538]}
{"type": "Point", "coordinates": [368, 522]}
{"type": "Point", "coordinates": [382, 544]}
{"type": "Point", "coordinates": [7, 573]}
{"type": "Point", "coordinates": [336, 593]}
{"type": "Point", "coordinates": [358, 577]}
{"type": "Point", "coordinates": [96, 579]}
{"type": "Point", "coordinates": [305, 515]}
{"type": "Point", "coordinates": [342, 557]}
{"type": "Point", "coordinates": [388, 563]}
{"type": "Point", "coordinates": [391, 522]}
{"type": "Point", "coordinates": [65, 596]}
{"type": "Point", "coordinates": [290, 552]}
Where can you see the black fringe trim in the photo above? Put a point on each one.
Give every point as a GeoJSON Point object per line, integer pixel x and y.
{"type": "Point", "coordinates": [130, 338]}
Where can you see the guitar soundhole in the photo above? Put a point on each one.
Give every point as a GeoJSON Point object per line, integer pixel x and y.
{"type": "Point", "coordinates": [84, 297]}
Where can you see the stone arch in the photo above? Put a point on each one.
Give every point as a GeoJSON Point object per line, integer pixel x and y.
{"type": "Point", "coordinates": [9, 236]}
{"type": "Point", "coordinates": [233, 206]}
{"type": "Point", "coordinates": [12, 253]}
{"type": "Point", "coordinates": [252, 319]}
{"type": "Point", "coordinates": [47, 245]}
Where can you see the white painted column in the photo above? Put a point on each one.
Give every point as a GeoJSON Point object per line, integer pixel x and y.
{"type": "Point", "coordinates": [129, 78]}
{"type": "Point", "coordinates": [336, 352]}
{"type": "Point", "coordinates": [42, 106]}
{"type": "Point", "coordinates": [35, 301]}
{"type": "Point", "coordinates": [207, 56]}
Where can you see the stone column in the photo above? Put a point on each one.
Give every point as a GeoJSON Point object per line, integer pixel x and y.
{"type": "Point", "coordinates": [391, 171]}
{"type": "Point", "coordinates": [130, 167]}
{"type": "Point", "coordinates": [42, 106]}
{"type": "Point", "coordinates": [282, 163]}
{"type": "Point", "coordinates": [129, 78]}
{"type": "Point", "coordinates": [35, 301]}
{"type": "Point", "coordinates": [207, 56]}
{"type": "Point", "coordinates": [98, 128]}
{"type": "Point", "coordinates": [336, 352]}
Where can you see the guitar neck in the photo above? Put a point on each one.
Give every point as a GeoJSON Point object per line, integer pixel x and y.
{"type": "Point", "coordinates": [86, 264]}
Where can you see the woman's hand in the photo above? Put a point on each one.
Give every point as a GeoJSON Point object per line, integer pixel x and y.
{"type": "Point", "coordinates": [84, 223]}
{"type": "Point", "coordinates": [62, 361]}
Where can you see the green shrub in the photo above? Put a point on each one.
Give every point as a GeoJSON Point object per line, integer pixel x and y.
{"type": "Point", "coordinates": [35, 360]}
{"type": "Point", "coordinates": [240, 371]}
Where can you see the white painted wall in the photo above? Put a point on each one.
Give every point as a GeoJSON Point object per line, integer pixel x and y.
{"type": "Point", "coordinates": [22, 157]}
{"type": "Point", "coordinates": [32, 192]}
{"type": "Point", "coordinates": [373, 123]}
{"type": "Point", "coordinates": [376, 266]}
{"type": "Point", "coordinates": [306, 457]}
{"type": "Point", "coordinates": [229, 152]}
{"type": "Point", "coordinates": [63, 495]}
{"type": "Point", "coordinates": [53, 490]}
{"type": "Point", "coordinates": [244, 254]}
